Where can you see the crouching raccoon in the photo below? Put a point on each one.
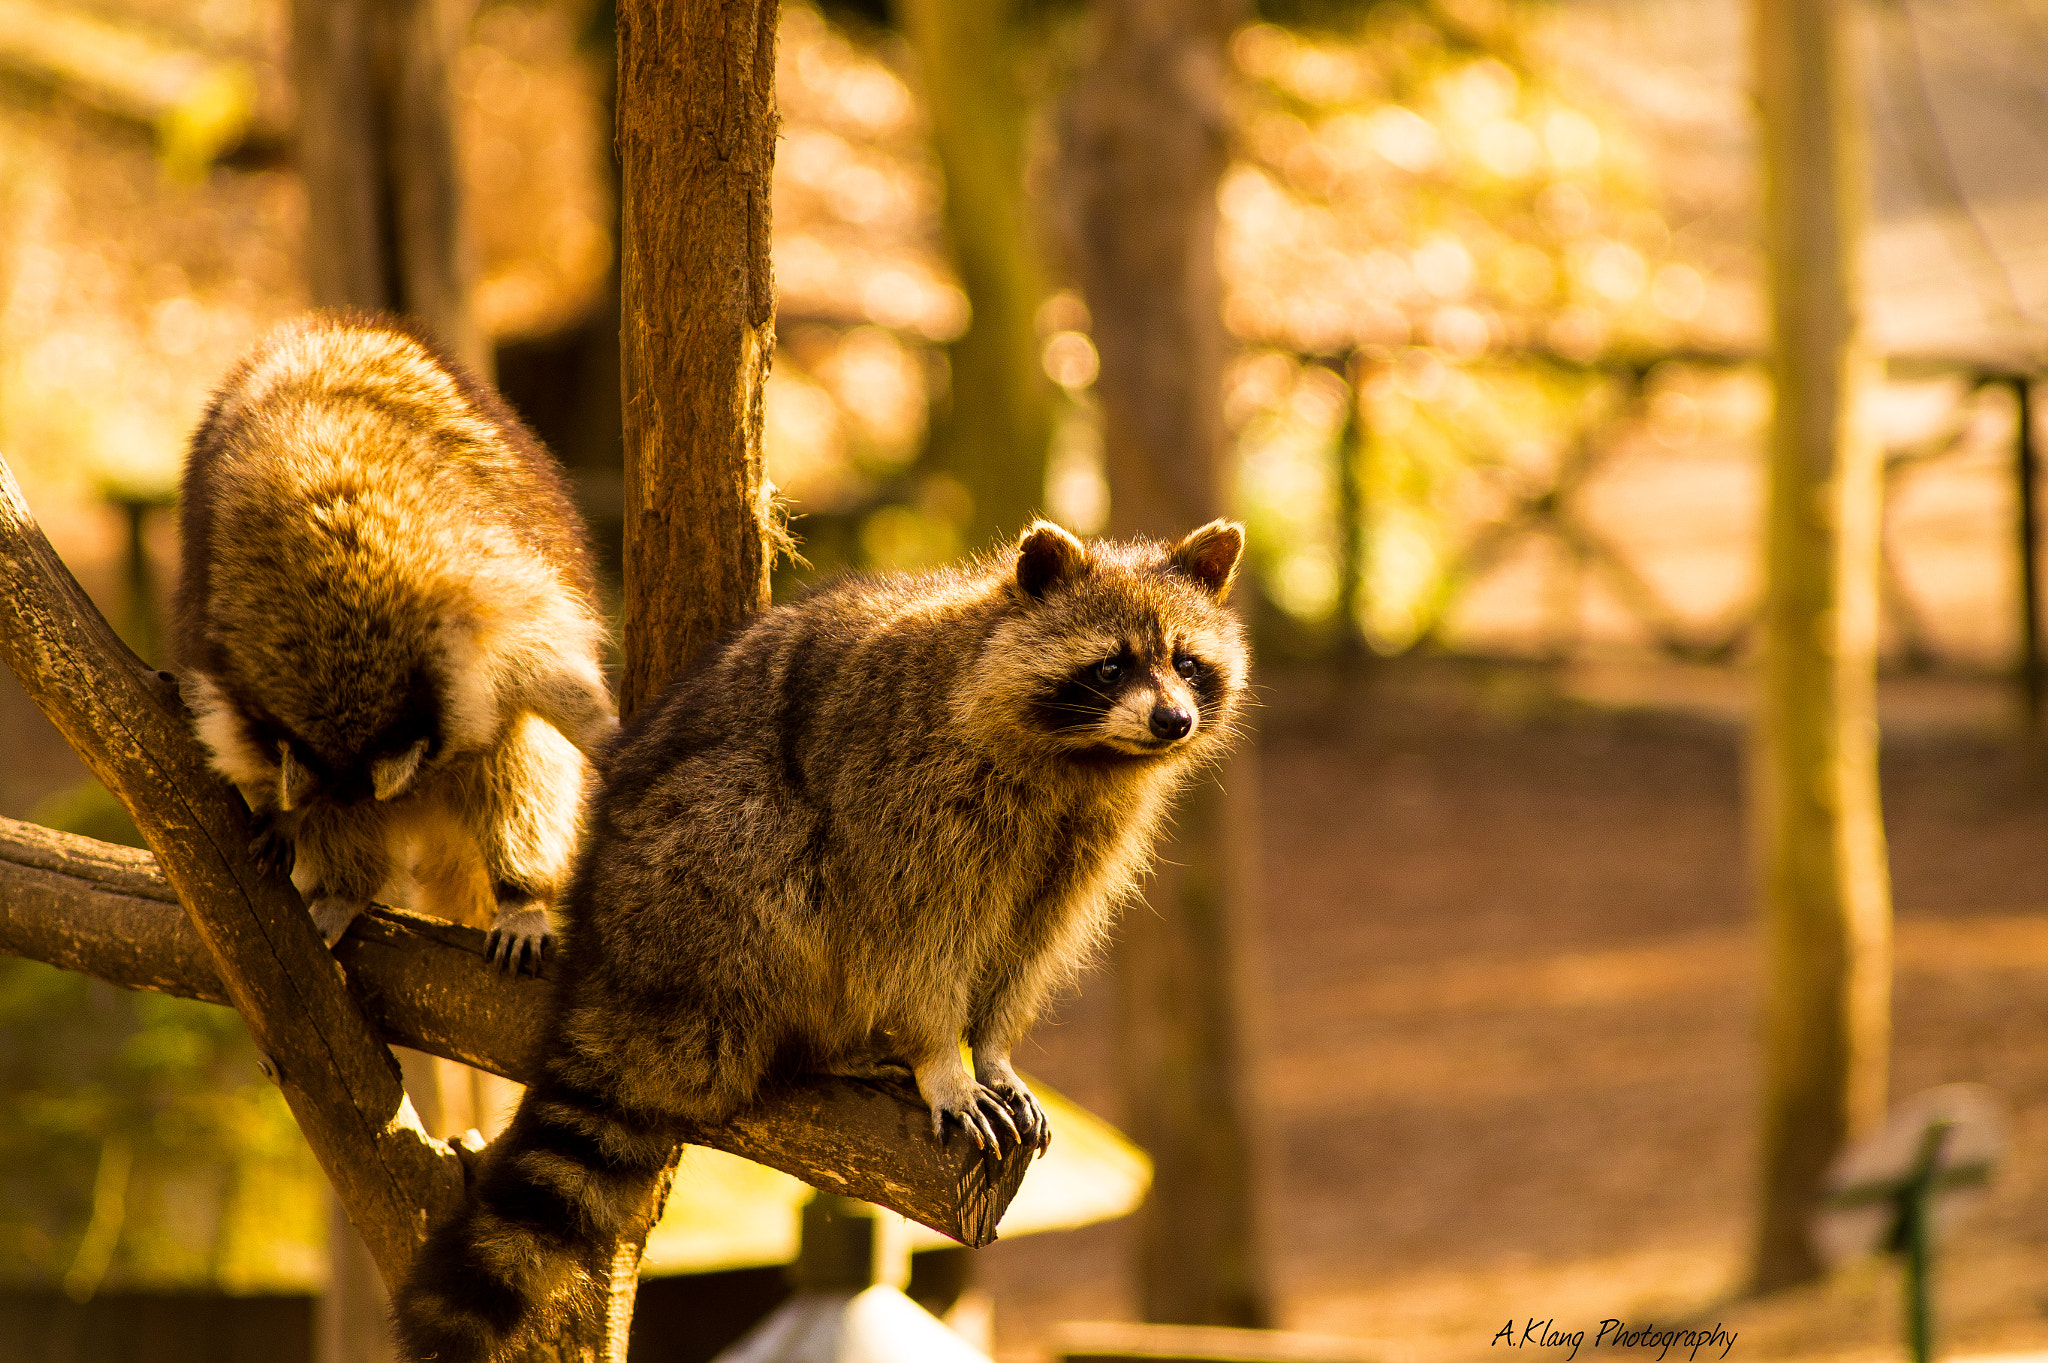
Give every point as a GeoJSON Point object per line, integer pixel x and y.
{"type": "Point", "coordinates": [387, 629]}
{"type": "Point", "coordinates": [877, 821]}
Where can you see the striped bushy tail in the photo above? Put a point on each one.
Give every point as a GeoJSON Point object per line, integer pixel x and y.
{"type": "Point", "coordinates": [571, 1175]}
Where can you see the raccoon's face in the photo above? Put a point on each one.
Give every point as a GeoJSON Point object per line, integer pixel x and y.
{"type": "Point", "coordinates": [1142, 694]}
{"type": "Point", "coordinates": [1134, 655]}
{"type": "Point", "coordinates": [392, 768]}
{"type": "Point", "coordinates": [262, 753]}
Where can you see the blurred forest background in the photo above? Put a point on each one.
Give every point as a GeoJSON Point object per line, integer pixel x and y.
{"type": "Point", "coordinates": [1494, 306]}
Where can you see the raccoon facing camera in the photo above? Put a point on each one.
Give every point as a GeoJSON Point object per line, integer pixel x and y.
{"type": "Point", "coordinates": [889, 817]}
{"type": "Point", "coordinates": [387, 631]}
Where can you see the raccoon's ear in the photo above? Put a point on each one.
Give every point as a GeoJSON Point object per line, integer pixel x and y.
{"type": "Point", "coordinates": [294, 782]}
{"type": "Point", "coordinates": [391, 777]}
{"type": "Point", "coordinates": [1046, 557]}
{"type": "Point", "coordinates": [1210, 555]}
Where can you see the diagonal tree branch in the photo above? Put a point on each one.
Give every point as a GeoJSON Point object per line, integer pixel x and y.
{"type": "Point", "coordinates": [126, 722]}
{"type": "Point", "coordinates": [108, 912]}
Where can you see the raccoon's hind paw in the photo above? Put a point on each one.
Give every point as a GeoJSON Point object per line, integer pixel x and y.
{"type": "Point", "coordinates": [270, 848]}
{"type": "Point", "coordinates": [332, 915]}
{"type": "Point", "coordinates": [518, 940]}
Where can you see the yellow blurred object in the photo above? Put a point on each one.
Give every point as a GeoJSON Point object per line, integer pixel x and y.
{"type": "Point", "coordinates": [726, 1212]}
{"type": "Point", "coordinates": [211, 117]}
{"type": "Point", "coordinates": [199, 107]}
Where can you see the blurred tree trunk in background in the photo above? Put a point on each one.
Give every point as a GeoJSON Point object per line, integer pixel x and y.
{"type": "Point", "coordinates": [1143, 152]}
{"type": "Point", "coordinates": [994, 432]}
{"type": "Point", "coordinates": [376, 145]}
{"type": "Point", "coordinates": [1826, 890]}
{"type": "Point", "coordinates": [385, 229]}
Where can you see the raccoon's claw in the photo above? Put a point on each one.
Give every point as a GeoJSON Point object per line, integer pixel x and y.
{"type": "Point", "coordinates": [985, 1118]}
{"type": "Point", "coordinates": [518, 940]}
{"type": "Point", "coordinates": [1031, 1119]}
{"type": "Point", "coordinates": [997, 1077]}
{"type": "Point", "coordinates": [269, 848]}
{"type": "Point", "coordinates": [332, 915]}
{"type": "Point", "coordinates": [996, 1110]}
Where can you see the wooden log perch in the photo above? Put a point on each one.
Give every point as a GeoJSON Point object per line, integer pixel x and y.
{"type": "Point", "coordinates": [246, 939]}
{"type": "Point", "coordinates": [126, 722]}
{"type": "Point", "coordinates": [108, 912]}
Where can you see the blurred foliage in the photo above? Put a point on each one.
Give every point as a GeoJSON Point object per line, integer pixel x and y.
{"type": "Point", "coordinates": [1438, 253]}
{"type": "Point", "coordinates": [139, 1144]}
{"type": "Point", "coordinates": [90, 810]}
{"type": "Point", "coordinates": [1421, 199]}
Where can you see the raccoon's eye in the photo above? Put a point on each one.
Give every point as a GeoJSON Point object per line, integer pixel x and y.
{"type": "Point", "coordinates": [1186, 666]}
{"type": "Point", "coordinates": [1108, 670]}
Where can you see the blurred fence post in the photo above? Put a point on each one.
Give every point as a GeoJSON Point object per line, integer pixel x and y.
{"type": "Point", "coordinates": [1353, 435]}
{"type": "Point", "coordinates": [1822, 874]}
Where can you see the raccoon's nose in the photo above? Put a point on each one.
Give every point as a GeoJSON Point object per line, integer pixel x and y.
{"type": "Point", "coordinates": [1170, 722]}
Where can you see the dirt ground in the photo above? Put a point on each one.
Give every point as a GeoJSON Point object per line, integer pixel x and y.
{"type": "Point", "coordinates": [1509, 1062]}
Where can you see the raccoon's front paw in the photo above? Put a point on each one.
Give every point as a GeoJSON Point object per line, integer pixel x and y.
{"type": "Point", "coordinates": [1032, 1124]}
{"type": "Point", "coordinates": [986, 1119]}
{"type": "Point", "coordinates": [270, 848]}
{"type": "Point", "coordinates": [518, 940]}
{"type": "Point", "coordinates": [332, 914]}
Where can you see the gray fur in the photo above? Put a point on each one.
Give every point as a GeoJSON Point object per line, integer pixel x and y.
{"type": "Point", "coordinates": [892, 815]}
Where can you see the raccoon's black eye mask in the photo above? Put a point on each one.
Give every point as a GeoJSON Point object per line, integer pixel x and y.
{"type": "Point", "coordinates": [1085, 695]}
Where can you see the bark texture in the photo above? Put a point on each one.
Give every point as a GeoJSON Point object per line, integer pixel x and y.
{"type": "Point", "coordinates": [1143, 152]}
{"type": "Point", "coordinates": [696, 144]}
{"type": "Point", "coordinates": [1821, 854]}
{"type": "Point", "coordinates": [998, 421]}
{"type": "Point", "coordinates": [376, 146]}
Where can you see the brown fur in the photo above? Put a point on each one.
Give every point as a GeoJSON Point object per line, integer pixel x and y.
{"type": "Point", "coordinates": [893, 814]}
{"type": "Point", "coordinates": [387, 628]}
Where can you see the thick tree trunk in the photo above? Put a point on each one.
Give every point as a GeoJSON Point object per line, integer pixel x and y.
{"type": "Point", "coordinates": [696, 141]}
{"type": "Point", "coordinates": [1821, 854]}
{"type": "Point", "coordinates": [696, 130]}
{"type": "Point", "coordinates": [998, 422]}
{"type": "Point", "coordinates": [1143, 154]}
{"type": "Point", "coordinates": [376, 146]}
